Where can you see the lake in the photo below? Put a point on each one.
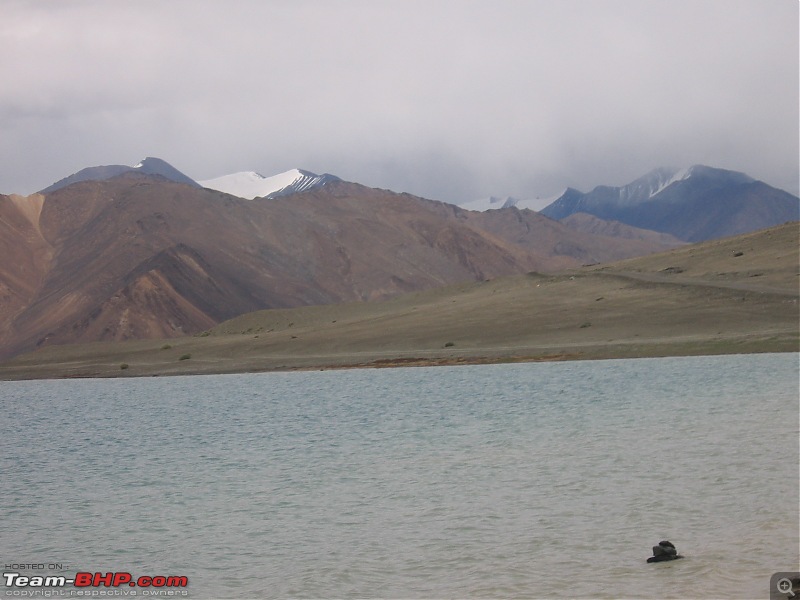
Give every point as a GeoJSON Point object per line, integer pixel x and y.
{"type": "Point", "coordinates": [495, 481]}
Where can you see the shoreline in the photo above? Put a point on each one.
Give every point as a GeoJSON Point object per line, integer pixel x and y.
{"type": "Point", "coordinates": [93, 367]}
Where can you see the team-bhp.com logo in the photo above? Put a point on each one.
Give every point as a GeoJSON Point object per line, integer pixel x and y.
{"type": "Point", "coordinates": [89, 581]}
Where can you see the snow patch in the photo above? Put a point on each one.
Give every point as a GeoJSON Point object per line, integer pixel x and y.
{"type": "Point", "coordinates": [651, 184]}
{"type": "Point", "coordinates": [680, 175]}
{"type": "Point", "coordinates": [494, 203]}
{"type": "Point", "coordinates": [250, 185]}
{"type": "Point", "coordinates": [538, 204]}
{"type": "Point", "coordinates": [490, 203]}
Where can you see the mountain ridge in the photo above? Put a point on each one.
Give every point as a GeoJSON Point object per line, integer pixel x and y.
{"type": "Point", "coordinates": [139, 256]}
{"type": "Point", "coordinates": [695, 204]}
{"type": "Point", "coordinates": [149, 166]}
{"type": "Point", "coordinates": [734, 295]}
{"type": "Point", "coordinates": [692, 204]}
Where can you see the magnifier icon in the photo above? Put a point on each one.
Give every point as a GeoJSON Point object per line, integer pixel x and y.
{"type": "Point", "coordinates": [785, 587]}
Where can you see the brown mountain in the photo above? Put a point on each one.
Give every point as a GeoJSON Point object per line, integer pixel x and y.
{"type": "Point", "coordinates": [26, 256]}
{"type": "Point", "coordinates": [141, 257]}
{"type": "Point", "coordinates": [733, 295]}
{"type": "Point", "coordinates": [590, 224]}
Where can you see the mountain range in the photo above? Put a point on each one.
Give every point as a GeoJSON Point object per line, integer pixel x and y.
{"type": "Point", "coordinates": [243, 184]}
{"type": "Point", "coordinates": [137, 256]}
{"type": "Point", "coordinates": [735, 295]}
{"type": "Point", "coordinates": [116, 252]}
{"type": "Point", "coordinates": [695, 204]}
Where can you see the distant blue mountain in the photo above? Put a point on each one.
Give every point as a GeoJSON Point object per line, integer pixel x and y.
{"type": "Point", "coordinates": [694, 204]}
{"type": "Point", "coordinates": [149, 166]}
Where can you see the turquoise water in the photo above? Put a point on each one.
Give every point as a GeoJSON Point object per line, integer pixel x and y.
{"type": "Point", "coordinates": [509, 481]}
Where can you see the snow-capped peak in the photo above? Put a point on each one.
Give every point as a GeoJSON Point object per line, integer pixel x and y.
{"type": "Point", "coordinates": [539, 203]}
{"type": "Point", "coordinates": [651, 184]}
{"type": "Point", "coordinates": [250, 185]}
{"type": "Point", "coordinates": [490, 203]}
{"type": "Point", "coordinates": [678, 175]}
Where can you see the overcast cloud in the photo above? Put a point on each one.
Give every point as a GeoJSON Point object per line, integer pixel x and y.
{"type": "Point", "coordinates": [451, 100]}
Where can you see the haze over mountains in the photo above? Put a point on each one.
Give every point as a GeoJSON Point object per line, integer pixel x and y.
{"type": "Point", "coordinates": [115, 252]}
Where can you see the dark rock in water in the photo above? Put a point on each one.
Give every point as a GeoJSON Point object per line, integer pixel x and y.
{"type": "Point", "coordinates": [664, 547]}
{"type": "Point", "coordinates": [664, 551]}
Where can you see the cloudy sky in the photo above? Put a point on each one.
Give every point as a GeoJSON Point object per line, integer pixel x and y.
{"type": "Point", "coordinates": [448, 99]}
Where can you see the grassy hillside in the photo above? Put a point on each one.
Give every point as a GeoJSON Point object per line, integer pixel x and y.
{"type": "Point", "coordinates": [726, 296]}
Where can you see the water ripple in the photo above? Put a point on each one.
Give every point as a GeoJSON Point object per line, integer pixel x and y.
{"type": "Point", "coordinates": [513, 481]}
